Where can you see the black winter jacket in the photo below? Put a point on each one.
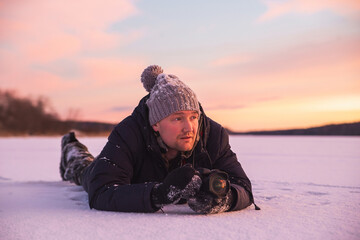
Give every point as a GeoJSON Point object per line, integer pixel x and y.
{"type": "Point", "coordinates": [122, 176]}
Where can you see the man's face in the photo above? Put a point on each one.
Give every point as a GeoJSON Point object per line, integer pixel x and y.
{"type": "Point", "coordinates": [178, 131]}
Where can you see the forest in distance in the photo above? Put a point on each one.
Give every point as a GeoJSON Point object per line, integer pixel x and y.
{"type": "Point", "coordinates": [21, 116]}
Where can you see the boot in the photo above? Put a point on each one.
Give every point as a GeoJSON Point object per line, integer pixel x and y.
{"type": "Point", "coordinates": [75, 157]}
{"type": "Point", "coordinates": [67, 138]}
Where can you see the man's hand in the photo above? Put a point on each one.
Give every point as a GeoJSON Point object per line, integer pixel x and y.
{"type": "Point", "coordinates": [183, 182]}
{"type": "Point", "coordinates": [215, 194]}
{"type": "Point", "coordinates": [207, 203]}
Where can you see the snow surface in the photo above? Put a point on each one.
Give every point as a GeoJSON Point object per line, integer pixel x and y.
{"type": "Point", "coordinates": [307, 188]}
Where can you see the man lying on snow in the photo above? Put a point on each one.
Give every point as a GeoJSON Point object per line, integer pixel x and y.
{"type": "Point", "coordinates": [167, 150]}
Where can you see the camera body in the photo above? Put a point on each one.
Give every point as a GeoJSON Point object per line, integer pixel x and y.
{"type": "Point", "coordinates": [214, 181]}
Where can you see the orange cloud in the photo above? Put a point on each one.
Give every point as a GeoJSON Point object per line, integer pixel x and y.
{"type": "Point", "coordinates": [292, 112]}
{"type": "Point", "coordinates": [303, 87]}
{"type": "Point", "coordinates": [303, 72]}
{"type": "Point", "coordinates": [279, 8]}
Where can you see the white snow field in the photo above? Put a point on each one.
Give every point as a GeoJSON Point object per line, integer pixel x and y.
{"type": "Point", "coordinates": [307, 188]}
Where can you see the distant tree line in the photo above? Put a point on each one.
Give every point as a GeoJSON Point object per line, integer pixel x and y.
{"type": "Point", "coordinates": [26, 116]}
{"type": "Point", "coordinates": [345, 129]}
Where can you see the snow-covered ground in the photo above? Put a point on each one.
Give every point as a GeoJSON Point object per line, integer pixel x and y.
{"type": "Point", "coordinates": [307, 188]}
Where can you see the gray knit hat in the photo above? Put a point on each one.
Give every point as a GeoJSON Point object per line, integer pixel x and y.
{"type": "Point", "coordinates": [167, 94]}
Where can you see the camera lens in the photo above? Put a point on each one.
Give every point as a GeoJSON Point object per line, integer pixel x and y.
{"type": "Point", "coordinates": [215, 182]}
{"type": "Point", "coordinates": [218, 185]}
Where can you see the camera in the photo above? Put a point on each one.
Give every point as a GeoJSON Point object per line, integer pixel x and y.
{"type": "Point", "coordinates": [214, 181]}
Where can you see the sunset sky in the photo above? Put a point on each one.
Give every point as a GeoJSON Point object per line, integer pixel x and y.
{"type": "Point", "coordinates": [254, 65]}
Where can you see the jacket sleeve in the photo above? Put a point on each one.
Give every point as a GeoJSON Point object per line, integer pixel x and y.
{"type": "Point", "coordinates": [223, 158]}
{"type": "Point", "coordinates": [108, 179]}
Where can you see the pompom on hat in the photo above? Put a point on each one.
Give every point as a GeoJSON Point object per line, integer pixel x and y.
{"type": "Point", "coordinates": [167, 94]}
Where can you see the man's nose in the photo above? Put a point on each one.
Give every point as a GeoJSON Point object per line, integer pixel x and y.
{"type": "Point", "coordinates": [187, 127]}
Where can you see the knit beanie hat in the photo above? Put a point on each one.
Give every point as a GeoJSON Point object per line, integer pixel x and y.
{"type": "Point", "coordinates": [167, 94]}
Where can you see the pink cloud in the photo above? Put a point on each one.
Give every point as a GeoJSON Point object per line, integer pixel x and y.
{"type": "Point", "coordinates": [279, 8]}
{"type": "Point", "coordinates": [37, 36]}
{"type": "Point", "coordinates": [52, 48]}
{"type": "Point", "coordinates": [16, 74]}
{"type": "Point", "coordinates": [47, 30]}
{"type": "Point", "coordinates": [70, 16]}
{"type": "Point", "coordinates": [108, 71]}
{"type": "Point", "coordinates": [55, 49]}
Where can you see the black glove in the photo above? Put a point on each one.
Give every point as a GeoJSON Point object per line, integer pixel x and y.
{"type": "Point", "coordinates": [215, 195]}
{"type": "Point", "coordinates": [207, 203]}
{"type": "Point", "coordinates": [183, 182]}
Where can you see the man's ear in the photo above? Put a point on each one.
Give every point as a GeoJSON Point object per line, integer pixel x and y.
{"type": "Point", "coordinates": [155, 127]}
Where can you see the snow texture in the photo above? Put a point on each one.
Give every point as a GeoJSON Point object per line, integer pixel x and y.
{"type": "Point", "coordinates": [307, 188]}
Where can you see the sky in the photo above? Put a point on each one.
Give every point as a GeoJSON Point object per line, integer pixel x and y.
{"type": "Point", "coordinates": [254, 65]}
